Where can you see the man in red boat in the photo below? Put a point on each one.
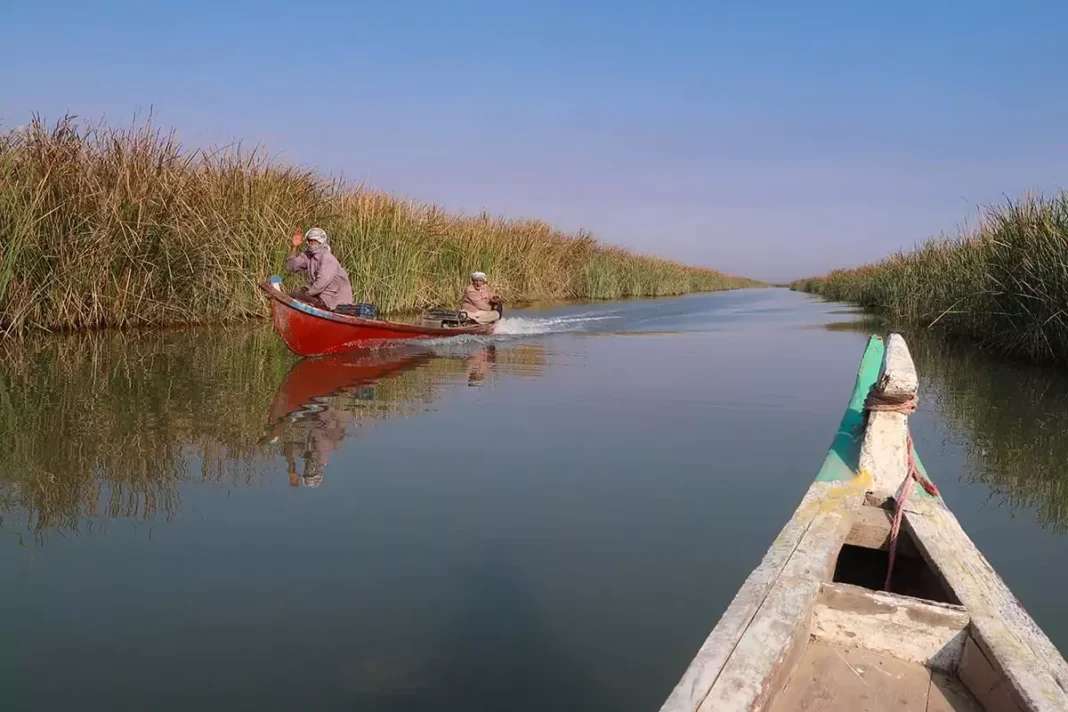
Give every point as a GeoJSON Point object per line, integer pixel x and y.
{"type": "Point", "coordinates": [479, 302]}
{"type": "Point", "coordinates": [328, 282]}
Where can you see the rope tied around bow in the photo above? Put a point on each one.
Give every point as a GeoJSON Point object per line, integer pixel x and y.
{"type": "Point", "coordinates": [881, 403]}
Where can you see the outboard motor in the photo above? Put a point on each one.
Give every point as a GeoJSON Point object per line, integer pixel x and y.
{"type": "Point", "coordinates": [446, 318]}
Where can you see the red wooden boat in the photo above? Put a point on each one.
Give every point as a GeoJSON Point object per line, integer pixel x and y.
{"type": "Point", "coordinates": [310, 331]}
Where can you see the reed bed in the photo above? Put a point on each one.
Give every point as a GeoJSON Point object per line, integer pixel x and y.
{"type": "Point", "coordinates": [118, 227]}
{"type": "Point", "coordinates": [1003, 284]}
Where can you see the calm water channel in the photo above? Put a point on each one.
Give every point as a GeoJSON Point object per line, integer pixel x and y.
{"type": "Point", "coordinates": [547, 520]}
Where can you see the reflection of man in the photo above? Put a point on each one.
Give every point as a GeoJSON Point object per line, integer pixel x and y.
{"type": "Point", "coordinates": [319, 434]}
{"type": "Point", "coordinates": [290, 448]}
{"type": "Point", "coordinates": [478, 364]}
{"type": "Point", "coordinates": [313, 471]}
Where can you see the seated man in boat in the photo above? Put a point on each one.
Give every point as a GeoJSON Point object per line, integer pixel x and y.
{"type": "Point", "coordinates": [328, 282]}
{"type": "Point", "coordinates": [479, 302]}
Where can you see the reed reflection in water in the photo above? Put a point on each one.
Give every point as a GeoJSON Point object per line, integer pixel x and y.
{"type": "Point", "coordinates": [106, 426]}
{"type": "Point", "coordinates": [1012, 416]}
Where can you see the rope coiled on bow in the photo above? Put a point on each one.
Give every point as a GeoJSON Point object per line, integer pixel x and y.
{"type": "Point", "coordinates": [881, 403]}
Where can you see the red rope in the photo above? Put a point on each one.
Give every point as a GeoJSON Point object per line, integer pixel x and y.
{"type": "Point", "coordinates": [900, 499]}
{"type": "Point", "coordinates": [879, 402]}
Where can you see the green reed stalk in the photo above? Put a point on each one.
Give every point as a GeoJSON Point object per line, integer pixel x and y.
{"type": "Point", "coordinates": [1003, 284]}
{"type": "Point", "coordinates": [123, 227]}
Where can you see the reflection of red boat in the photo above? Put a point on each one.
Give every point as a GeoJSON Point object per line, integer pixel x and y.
{"type": "Point", "coordinates": [310, 331]}
{"type": "Point", "coordinates": [311, 380]}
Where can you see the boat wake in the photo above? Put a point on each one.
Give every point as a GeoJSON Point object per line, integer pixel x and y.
{"type": "Point", "coordinates": [523, 326]}
{"type": "Point", "coordinates": [517, 327]}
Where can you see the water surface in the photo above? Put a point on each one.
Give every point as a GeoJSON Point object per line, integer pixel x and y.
{"type": "Point", "coordinates": [552, 518]}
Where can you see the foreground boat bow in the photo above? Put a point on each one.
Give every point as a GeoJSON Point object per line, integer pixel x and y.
{"type": "Point", "coordinates": [813, 628]}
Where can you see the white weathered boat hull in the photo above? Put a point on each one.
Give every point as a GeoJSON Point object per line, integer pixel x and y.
{"type": "Point", "coordinates": [789, 611]}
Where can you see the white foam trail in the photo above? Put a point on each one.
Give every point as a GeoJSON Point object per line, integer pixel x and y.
{"type": "Point", "coordinates": [513, 327]}
{"type": "Point", "coordinates": [522, 326]}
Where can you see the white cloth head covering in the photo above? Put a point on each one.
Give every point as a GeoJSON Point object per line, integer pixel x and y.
{"type": "Point", "coordinates": [316, 233]}
{"type": "Point", "coordinates": [481, 276]}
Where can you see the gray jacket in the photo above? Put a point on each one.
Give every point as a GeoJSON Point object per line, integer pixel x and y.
{"type": "Point", "coordinates": [327, 279]}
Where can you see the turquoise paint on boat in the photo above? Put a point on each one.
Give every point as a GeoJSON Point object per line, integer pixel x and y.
{"type": "Point", "coordinates": [842, 458]}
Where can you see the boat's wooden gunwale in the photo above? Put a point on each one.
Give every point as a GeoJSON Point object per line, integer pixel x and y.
{"type": "Point", "coordinates": [1035, 672]}
{"type": "Point", "coordinates": [990, 642]}
{"type": "Point", "coordinates": [705, 670]}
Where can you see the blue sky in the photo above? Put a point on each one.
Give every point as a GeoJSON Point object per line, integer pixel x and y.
{"type": "Point", "coordinates": [773, 139]}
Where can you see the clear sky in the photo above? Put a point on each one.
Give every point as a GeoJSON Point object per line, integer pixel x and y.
{"type": "Point", "coordinates": [772, 139]}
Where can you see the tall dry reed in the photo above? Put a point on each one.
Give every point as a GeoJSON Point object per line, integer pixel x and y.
{"type": "Point", "coordinates": [105, 226]}
{"type": "Point", "coordinates": [1003, 284]}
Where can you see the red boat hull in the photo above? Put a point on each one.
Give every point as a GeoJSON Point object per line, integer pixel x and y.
{"type": "Point", "coordinates": [310, 331]}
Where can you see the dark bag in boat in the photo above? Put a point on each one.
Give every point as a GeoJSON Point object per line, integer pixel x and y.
{"type": "Point", "coordinates": [362, 310]}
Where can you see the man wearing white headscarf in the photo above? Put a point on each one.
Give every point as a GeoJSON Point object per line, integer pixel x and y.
{"type": "Point", "coordinates": [328, 282]}
{"type": "Point", "coordinates": [479, 302]}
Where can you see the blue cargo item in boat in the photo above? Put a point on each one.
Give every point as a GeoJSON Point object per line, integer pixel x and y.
{"type": "Point", "coordinates": [362, 310]}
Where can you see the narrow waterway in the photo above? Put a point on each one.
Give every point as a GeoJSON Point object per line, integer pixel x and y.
{"type": "Point", "coordinates": [551, 518]}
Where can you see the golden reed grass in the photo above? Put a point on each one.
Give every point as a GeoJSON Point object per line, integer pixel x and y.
{"type": "Point", "coordinates": [1003, 284]}
{"type": "Point", "coordinates": [121, 227]}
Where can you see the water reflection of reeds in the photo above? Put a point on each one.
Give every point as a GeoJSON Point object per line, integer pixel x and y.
{"type": "Point", "coordinates": [1012, 414]}
{"type": "Point", "coordinates": [109, 425]}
